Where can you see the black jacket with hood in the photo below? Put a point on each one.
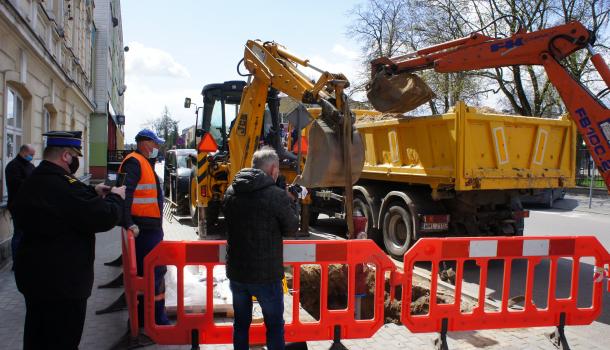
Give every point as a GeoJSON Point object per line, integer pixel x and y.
{"type": "Point", "coordinates": [258, 213]}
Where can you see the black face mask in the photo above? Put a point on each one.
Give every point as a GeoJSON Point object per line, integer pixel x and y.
{"type": "Point", "coordinates": [74, 165]}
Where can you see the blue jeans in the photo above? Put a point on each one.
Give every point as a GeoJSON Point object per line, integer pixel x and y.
{"type": "Point", "coordinates": [146, 241]}
{"type": "Point", "coordinates": [270, 296]}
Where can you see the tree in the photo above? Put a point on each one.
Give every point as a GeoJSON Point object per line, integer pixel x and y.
{"type": "Point", "coordinates": [166, 128]}
{"type": "Point", "coordinates": [396, 27]}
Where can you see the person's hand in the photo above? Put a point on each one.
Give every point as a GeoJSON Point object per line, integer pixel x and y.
{"type": "Point", "coordinates": [291, 195]}
{"type": "Point", "coordinates": [102, 190]}
{"type": "Point", "coordinates": [120, 191]}
{"type": "Point", "coordinates": [135, 229]}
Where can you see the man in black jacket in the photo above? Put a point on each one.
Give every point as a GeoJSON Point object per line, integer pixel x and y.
{"type": "Point", "coordinates": [54, 265]}
{"type": "Point", "coordinates": [17, 170]}
{"type": "Point", "coordinates": [258, 214]}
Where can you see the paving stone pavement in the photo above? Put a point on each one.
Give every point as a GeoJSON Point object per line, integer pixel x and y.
{"type": "Point", "coordinates": [104, 330]}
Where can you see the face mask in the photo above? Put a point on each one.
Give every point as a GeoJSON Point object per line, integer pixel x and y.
{"type": "Point", "coordinates": [154, 153]}
{"type": "Point", "coordinates": [74, 165]}
{"type": "Point", "coordinates": [28, 158]}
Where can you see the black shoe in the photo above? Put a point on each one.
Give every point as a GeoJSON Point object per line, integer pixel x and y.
{"type": "Point", "coordinates": [301, 234]}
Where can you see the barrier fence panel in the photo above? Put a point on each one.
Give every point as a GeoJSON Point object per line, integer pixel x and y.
{"type": "Point", "coordinates": [561, 308]}
{"type": "Point", "coordinates": [133, 284]}
{"type": "Point", "coordinates": [191, 327]}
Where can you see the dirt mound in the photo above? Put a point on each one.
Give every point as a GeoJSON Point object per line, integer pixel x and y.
{"type": "Point", "coordinates": [381, 117]}
{"type": "Point", "coordinates": [337, 295]}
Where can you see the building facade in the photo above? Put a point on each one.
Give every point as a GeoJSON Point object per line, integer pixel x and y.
{"type": "Point", "coordinates": [108, 119]}
{"type": "Point", "coordinates": [46, 80]}
{"type": "Point", "coordinates": [188, 136]}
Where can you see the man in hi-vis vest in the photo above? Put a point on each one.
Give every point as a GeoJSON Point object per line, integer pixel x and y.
{"type": "Point", "coordinates": [143, 209]}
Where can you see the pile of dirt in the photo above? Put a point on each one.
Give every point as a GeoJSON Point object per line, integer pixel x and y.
{"type": "Point", "coordinates": [381, 117]}
{"type": "Point", "coordinates": [337, 295]}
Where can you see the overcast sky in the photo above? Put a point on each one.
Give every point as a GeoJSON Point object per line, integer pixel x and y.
{"type": "Point", "coordinates": [177, 47]}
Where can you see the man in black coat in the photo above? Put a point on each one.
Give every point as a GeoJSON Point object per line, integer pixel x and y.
{"type": "Point", "coordinates": [17, 170]}
{"type": "Point", "coordinates": [54, 265]}
{"type": "Point", "coordinates": [258, 213]}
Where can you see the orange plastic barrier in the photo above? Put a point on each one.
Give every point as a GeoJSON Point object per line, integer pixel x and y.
{"type": "Point", "coordinates": [133, 284]}
{"type": "Point", "coordinates": [531, 250]}
{"type": "Point", "coordinates": [200, 328]}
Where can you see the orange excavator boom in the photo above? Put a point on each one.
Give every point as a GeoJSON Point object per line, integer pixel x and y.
{"type": "Point", "coordinates": [547, 48]}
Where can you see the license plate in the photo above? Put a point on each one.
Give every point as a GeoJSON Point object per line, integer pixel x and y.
{"type": "Point", "coordinates": [436, 226]}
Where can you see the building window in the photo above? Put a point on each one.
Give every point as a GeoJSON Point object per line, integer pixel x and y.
{"type": "Point", "coordinates": [13, 131]}
{"type": "Point", "coordinates": [46, 127]}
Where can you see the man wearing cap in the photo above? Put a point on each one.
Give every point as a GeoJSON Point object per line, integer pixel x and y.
{"type": "Point", "coordinates": [59, 216]}
{"type": "Point", "coordinates": [142, 212]}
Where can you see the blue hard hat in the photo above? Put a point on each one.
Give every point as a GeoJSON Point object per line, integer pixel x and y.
{"type": "Point", "coordinates": [147, 134]}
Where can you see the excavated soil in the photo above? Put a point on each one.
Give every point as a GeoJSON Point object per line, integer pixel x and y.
{"type": "Point", "coordinates": [381, 117]}
{"type": "Point", "coordinates": [337, 295]}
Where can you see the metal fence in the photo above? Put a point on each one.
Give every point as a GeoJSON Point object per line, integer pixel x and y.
{"type": "Point", "coordinates": [586, 170]}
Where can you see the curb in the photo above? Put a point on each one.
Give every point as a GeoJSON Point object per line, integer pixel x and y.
{"type": "Point", "coordinates": [584, 191]}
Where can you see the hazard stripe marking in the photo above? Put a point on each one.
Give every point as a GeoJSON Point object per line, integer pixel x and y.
{"type": "Point", "coordinates": [222, 253]}
{"type": "Point", "coordinates": [563, 247]}
{"type": "Point", "coordinates": [481, 249]}
{"type": "Point", "coordinates": [510, 248]}
{"type": "Point", "coordinates": [454, 250]}
{"type": "Point", "coordinates": [201, 253]}
{"type": "Point", "coordinates": [536, 247]}
{"type": "Point", "coordinates": [331, 252]}
{"type": "Point", "coordinates": [299, 253]}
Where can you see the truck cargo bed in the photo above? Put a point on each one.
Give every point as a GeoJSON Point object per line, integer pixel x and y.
{"type": "Point", "coordinates": [470, 150]}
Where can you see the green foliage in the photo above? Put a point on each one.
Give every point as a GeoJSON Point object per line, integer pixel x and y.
{"type": "Point", "coordinates": [166, 128]}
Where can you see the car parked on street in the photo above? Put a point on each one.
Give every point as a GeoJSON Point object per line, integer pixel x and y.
{"type": "Point", "coordinates": [176, 176]}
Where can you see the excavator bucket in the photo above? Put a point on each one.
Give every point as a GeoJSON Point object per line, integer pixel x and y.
{"type": "Point", "coordinates": [398, 93]}
{"type": "Point", "coordinates": [324, 163]}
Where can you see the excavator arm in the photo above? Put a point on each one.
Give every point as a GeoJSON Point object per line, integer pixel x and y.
{"type": "Point", "coordinates": [335, 156]}
{"type": "Point", "coordinates": [271, 66]}
{"type": "Point", "coordinates": [545, 47]}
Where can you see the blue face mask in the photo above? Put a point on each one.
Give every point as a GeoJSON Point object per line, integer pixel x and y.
{"type": "Point", "coordinates": [28, 158]}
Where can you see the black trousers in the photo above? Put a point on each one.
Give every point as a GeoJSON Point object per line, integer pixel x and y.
{"type": "Point", "coordinates": [54, 324]}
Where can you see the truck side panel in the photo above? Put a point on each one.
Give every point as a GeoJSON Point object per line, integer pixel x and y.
{"type": "Point", "coordinates": [469, 150]}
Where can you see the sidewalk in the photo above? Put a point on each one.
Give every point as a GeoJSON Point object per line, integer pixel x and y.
{"type": "Point", "coordinates": [102, 331]}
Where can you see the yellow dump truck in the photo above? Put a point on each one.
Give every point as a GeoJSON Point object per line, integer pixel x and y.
{"type": "Point", "coordinates": [460, 173]}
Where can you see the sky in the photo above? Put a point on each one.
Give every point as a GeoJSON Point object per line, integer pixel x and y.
{"type": "Point", "coordinates": [177, 47]}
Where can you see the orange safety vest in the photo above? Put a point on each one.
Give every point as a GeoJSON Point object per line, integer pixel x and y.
{"type": "Point", "coordinates": [304, 146]}
{"type": "Point", "coordinates": [145, 196]}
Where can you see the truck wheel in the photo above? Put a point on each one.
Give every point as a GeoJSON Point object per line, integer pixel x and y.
{"type": "Point", "coordinates": [313, 217]}
{"type": "Point", "coordinates": [360, 204]}
{"type": "Point", "coordinates": [397, 230]}
{"type": "Point", "coordinates": [549, 200]}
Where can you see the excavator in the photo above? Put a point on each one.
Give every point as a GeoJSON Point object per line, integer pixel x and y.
{"type": "Point", "coordinates": [335, 155]}
{"type": "Point", "coordinates": [395, 88]}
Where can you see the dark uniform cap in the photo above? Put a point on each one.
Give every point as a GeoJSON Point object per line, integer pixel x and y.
{"type": "Point", "coordinates": [70, 139]}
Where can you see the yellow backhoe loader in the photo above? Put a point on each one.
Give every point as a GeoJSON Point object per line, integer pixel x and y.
{"type": "Point", "coordinates": [335, 154]}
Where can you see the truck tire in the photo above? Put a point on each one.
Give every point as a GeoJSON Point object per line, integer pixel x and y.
{"type": "Point", "coordinates": [360, 204]}
{"type": "Point", "coordinates": [549, 200]}
{"type": "Point", "coordinates": [313, 217]}
{"type": "Point", "coordinates": [398, 234]}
